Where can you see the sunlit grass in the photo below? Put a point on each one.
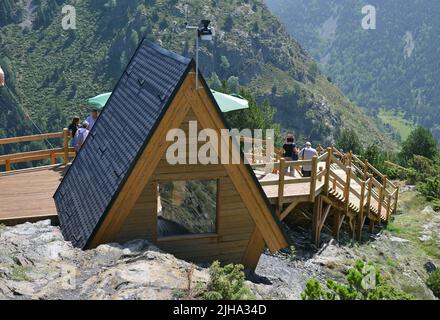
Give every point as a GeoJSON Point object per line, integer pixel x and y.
{"type": "Point", "coordinates": [398, 122]}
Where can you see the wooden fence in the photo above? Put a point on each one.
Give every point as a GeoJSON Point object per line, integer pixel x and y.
{"type": "Point", "coordinates": [65, 153]}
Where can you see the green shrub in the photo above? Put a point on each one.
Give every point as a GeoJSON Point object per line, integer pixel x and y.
{"type": "Point", "coordinates": [431, 189]}
{"type": "Point", "coordinates": [420, 142]}
{"type": "Point", "coordinates": [348, 140]}
{"type": "Point", "coordinates": [227, 283]}
{"type": "Point", "coordinates": [364, 283]}
{"type": "Point", "coordinates": [434, 282]}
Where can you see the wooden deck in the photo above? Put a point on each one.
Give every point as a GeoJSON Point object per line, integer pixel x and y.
{"type": "Point", "coordinates": [292, 191]}
{"type": "Point", "coordinates": [26, 195]}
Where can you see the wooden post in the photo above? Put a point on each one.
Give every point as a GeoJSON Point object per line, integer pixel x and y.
{"type": "Point", "coordinates": [396, 198]}
{"type": "Point", "coordinates": [320, 169]}
{"type": "Point", "coordinates": [328, 164]}
{"type": "Point", "coordinates": [8, 165]}
{"type": "Point", "coordinates": [319, 149]}
{"type": "Point", "coordinates": [347, 189]}
{"type": "Point", "coordinates": [316, 221]}
{"type": "Point", "coordinates": [313, 180]}
{"type": "Point", "coordinates": [366, 169]}
{"type": "Point", "coordinates": [370, 189]}
{"type": "Point", "coordinates": [388, 207]}
{"type": "Point", "coordinates": [53, 158]}
{"type": "Point", "coordinates": [361, 211]}
{"type": "Point", "coordinates": [350, 159]}
{"type": "Point", "coordinates": [281, 185]}
{"type": "Point", "coordinates": [66, 145]}
{"type": "Point", "coordinates": [381, 196]}
{"type": "Point", "coordinates": [337, 225]}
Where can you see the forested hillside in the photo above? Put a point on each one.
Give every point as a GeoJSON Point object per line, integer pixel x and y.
{"type": "Point", "coordinates": [394, 67]}
{"type": "Point", "coordinates": [55, 70]}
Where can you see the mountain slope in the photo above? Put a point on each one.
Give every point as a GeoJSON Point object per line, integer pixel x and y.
{"type": "Point", "coordinates": [56, 70]}
{"type": "Point", "coordinates": [394, 67]}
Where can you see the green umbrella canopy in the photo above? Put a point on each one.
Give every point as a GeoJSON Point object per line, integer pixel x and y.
{"type": "Point", "coordinates": [99, 101]}
{"type": "Point", "coordinates": [226, 102]}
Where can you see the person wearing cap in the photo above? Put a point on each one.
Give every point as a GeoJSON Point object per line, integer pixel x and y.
{"type": "Point", "coordinates": [81, 136]}
{"type": "Point", "coordinates": [307, 153]}
{"type": "Point", "coordinates": [91, 119]}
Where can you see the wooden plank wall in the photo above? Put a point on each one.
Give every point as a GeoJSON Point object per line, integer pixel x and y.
{"type": "Point", "coordinates": [141, 223]}
{"type": "Point", "coordinates": [234, 223]}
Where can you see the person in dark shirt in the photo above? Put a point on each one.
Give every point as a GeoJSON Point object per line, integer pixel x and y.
{"type": "Point", "coordinates": [290, 152]}
{"type": "Point", "coordinates": [73, 127]}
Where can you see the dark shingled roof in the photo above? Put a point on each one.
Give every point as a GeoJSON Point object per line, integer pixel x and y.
{"type": "Point", "coordinates": [117, 139]}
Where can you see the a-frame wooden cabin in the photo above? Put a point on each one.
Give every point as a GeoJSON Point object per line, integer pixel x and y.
{"type": "Point", "coordinates": [120, 187]}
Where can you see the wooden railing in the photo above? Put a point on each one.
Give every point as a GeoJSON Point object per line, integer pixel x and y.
{"type": "Point", "coordinates": [53, 154]}
{"type": "Point", "coordinates": [360, 181]}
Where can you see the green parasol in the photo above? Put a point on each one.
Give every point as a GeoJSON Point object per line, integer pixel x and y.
{"type": "Point", "coordinates": [99, 101]}
{"type": "Point", "coordinates": [226, 102]}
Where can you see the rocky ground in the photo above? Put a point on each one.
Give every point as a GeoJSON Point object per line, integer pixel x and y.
{"type": "Point", "coordinates": [36, 263]}
{"type": "Point", "coordinates": [406, 252]}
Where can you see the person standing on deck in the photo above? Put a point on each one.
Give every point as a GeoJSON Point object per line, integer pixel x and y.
{"type": "Point", "coordinates": [290, 152]}
{"type": "Point", "coordinates": [91, 119]}
{"type": "Point", "coordinates": [73, 127]}
{"type": "Point", "coordinates": [307, 153]}
{"type": "Point", "coordinates": [81, 136]}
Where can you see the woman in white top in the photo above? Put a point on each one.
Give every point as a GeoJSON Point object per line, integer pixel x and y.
{"type": "Point", "coordinates": [81, 136]}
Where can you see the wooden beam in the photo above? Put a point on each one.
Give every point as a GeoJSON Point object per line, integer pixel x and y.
{"type": "Point", "coordinates": [313, 182]}
{"type": "Point", "coordinates": [31, 138]}
{"type": "Point", "coordinates": [388, 208]}
{"type": "Point", "coordinates": [352, 225]}
{"type": "Point", "coordinates": [349, 158]}
{"type": "Point", "coordinates": [325, 215]}
{"type": "Point", "coordinates": [288, 210]}
{"type": "Point", "coordinates": [361, 218]}
{"type": "Point", "coordinates": [381, 196]}
{"type": "Point", "coordinates": [30, 154]}
{"type": "Point", "coordinates": [66, 145]}
{"type": "Point", "coordinates": [253, 250]}
{"type": "Point", "coordinates": [347, 189]}
{"type": "Point", "coordinates": [396, 199]}
{"type": "Point", "coordinates": [281, 177]}
{"type": "Point", "coordinates": [338, 219]}
{"type": "Point", "coordinates": [328, 164]}
{"type": "Point", "coordinates": [316, 221]}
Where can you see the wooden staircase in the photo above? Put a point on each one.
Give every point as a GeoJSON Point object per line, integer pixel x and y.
{"type": "Point", "coordinates": [341, 186]}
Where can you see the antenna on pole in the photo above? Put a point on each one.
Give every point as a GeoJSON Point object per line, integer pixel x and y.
{"type": "Point", "coordinates": [186, 14]}
{"type": "Point", "coordinates": [204, 33]}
